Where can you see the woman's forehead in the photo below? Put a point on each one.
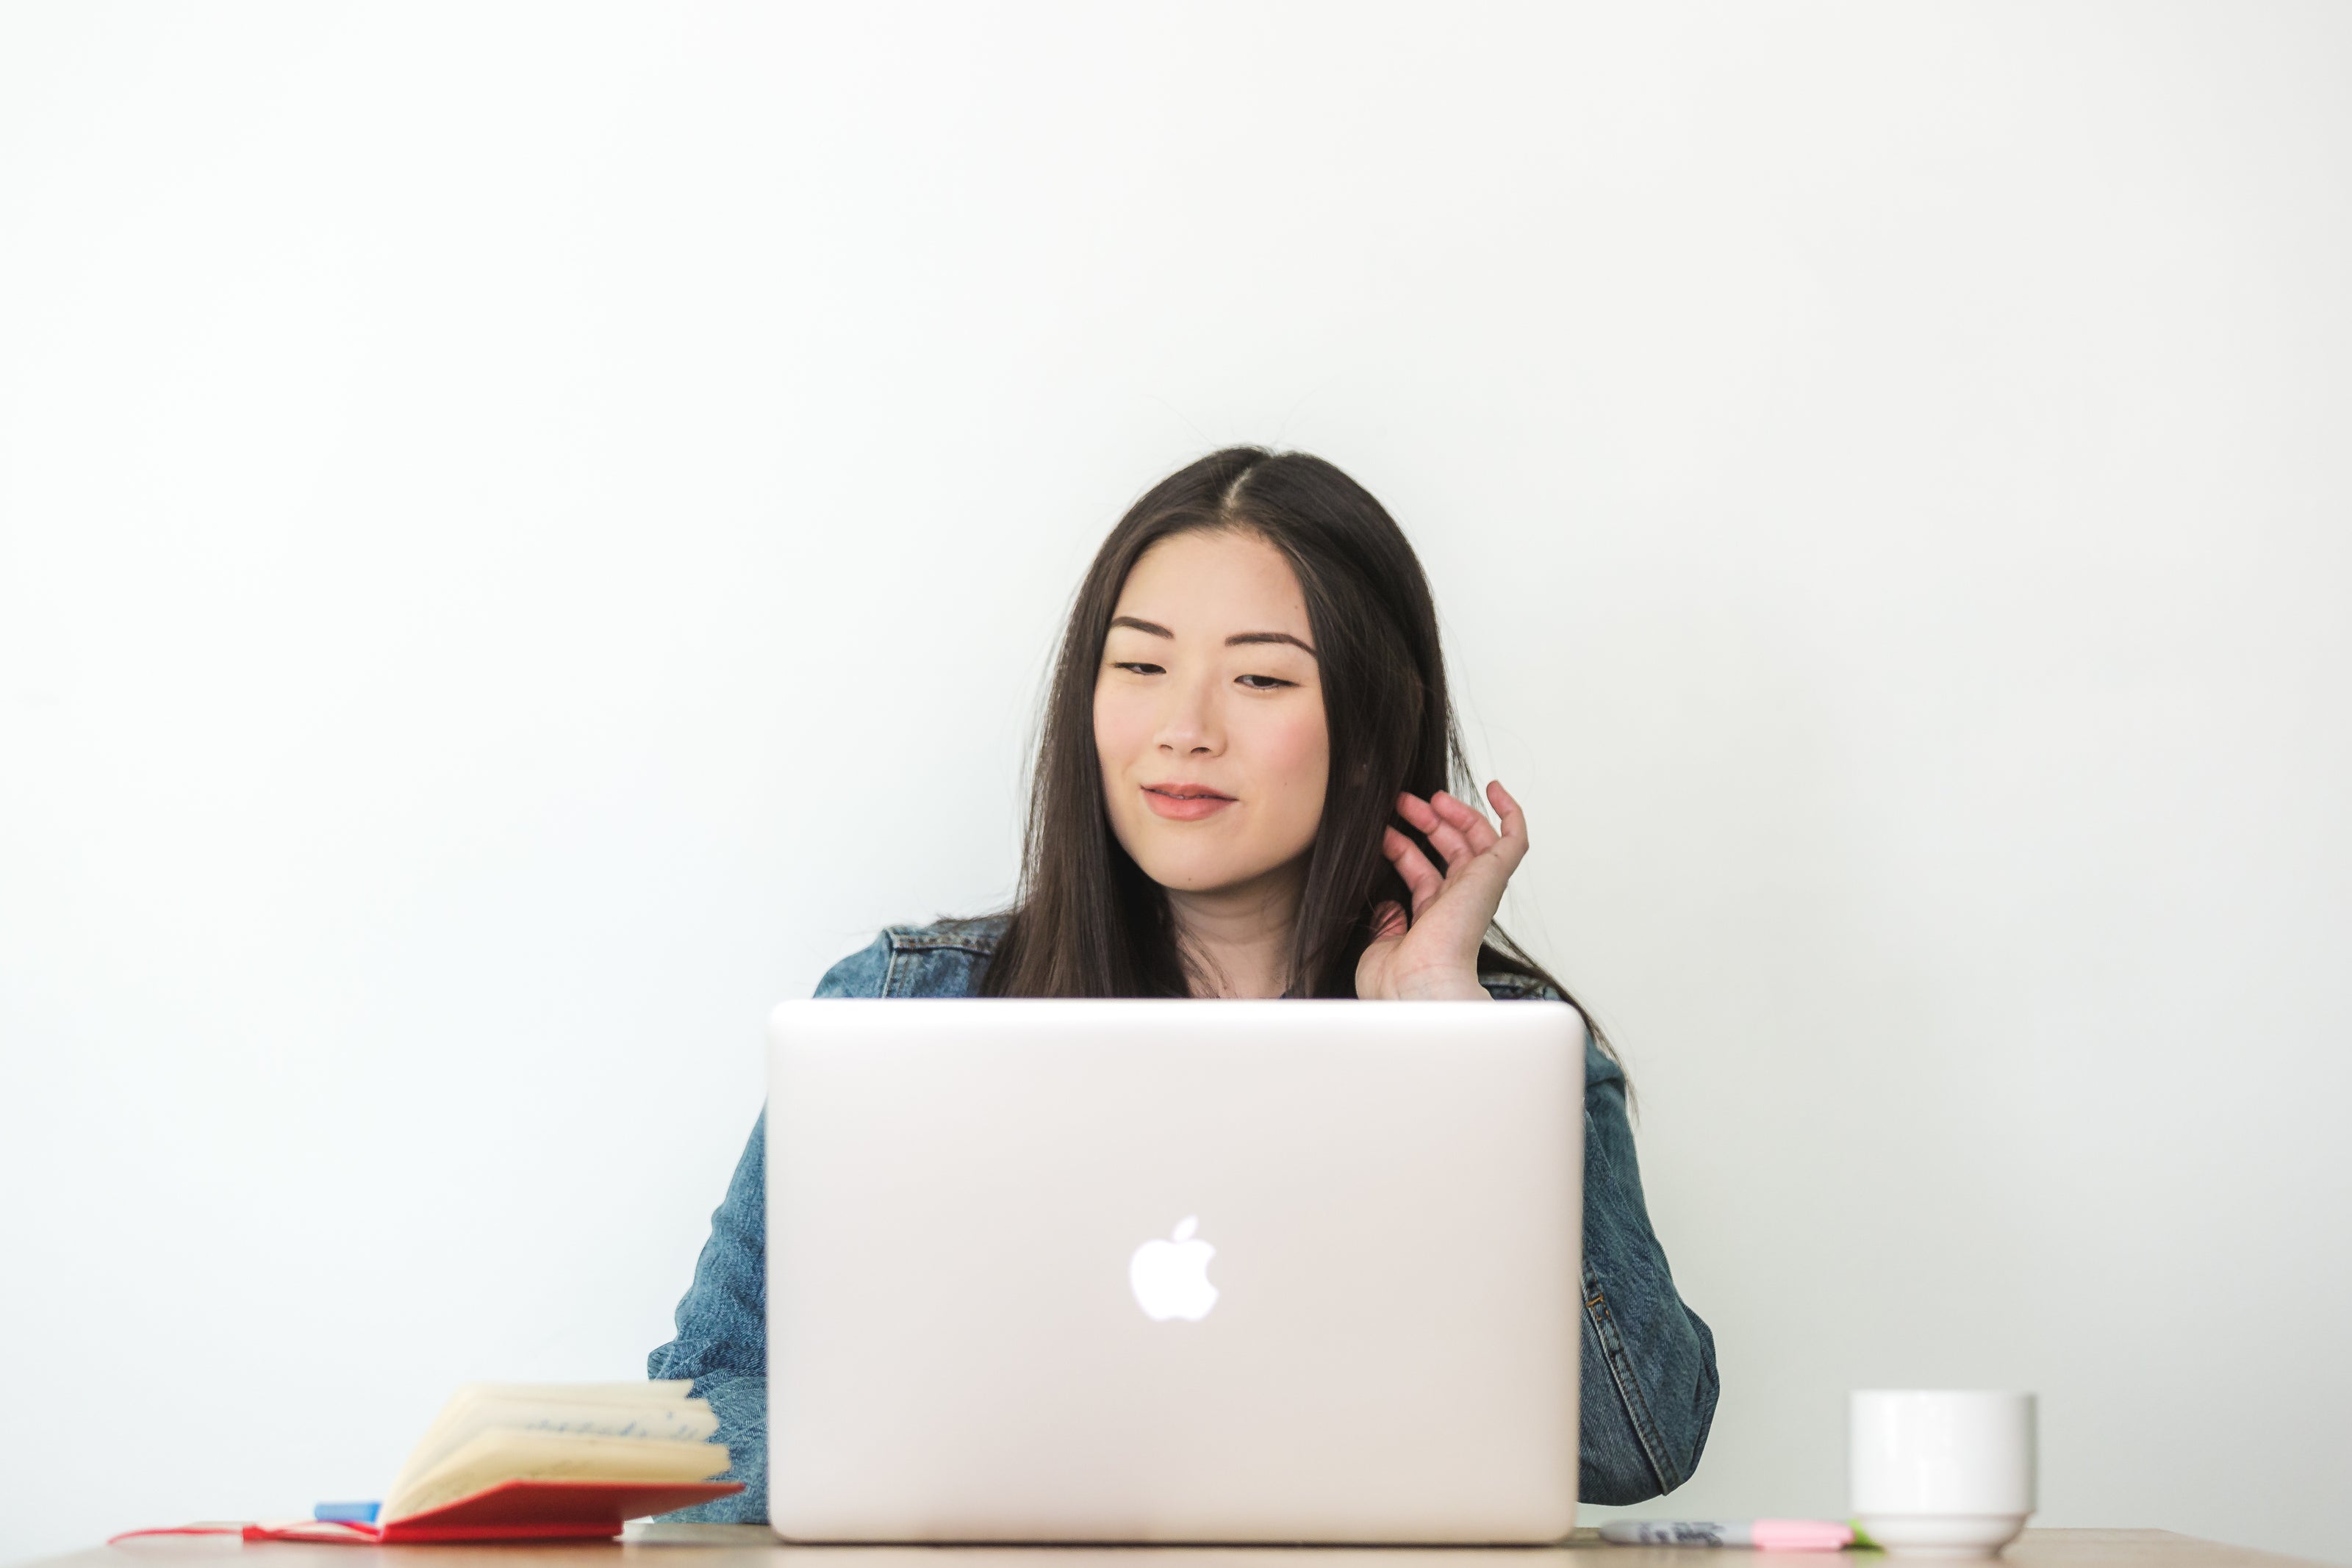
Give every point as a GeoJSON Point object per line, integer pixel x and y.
{"type": "Point", "coordinates": [1205, 583]}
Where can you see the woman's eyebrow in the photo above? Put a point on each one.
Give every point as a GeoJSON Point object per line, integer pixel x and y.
{"type": "Point", "coordinates": [1238, 639]}
{"type": "Point", "coordinates": [1142, 626]}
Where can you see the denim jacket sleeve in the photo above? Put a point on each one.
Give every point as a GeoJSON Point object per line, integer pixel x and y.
{"type": "Point", "coordinates": [1648, 1374]}
{"type": "Point", "coordinates": [722, 1320]}
{"type": "Point", "coordinates": [1648, 1379]}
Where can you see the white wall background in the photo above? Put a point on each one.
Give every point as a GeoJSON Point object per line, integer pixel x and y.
{"type": "Point", "coordinates": [525, 533]}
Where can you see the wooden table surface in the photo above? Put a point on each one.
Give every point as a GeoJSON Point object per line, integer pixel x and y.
{"type": "Point", "coordinates": [752, 1546]}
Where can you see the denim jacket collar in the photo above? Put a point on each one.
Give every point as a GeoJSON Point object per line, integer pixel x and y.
{"type": "Point", "coordinates": [948, 957]}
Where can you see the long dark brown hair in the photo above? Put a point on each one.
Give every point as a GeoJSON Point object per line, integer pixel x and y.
{"type": "Point", "coordinates": [1088, 922]}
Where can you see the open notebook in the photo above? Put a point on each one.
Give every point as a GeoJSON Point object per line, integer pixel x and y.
{"type": "Point", "coordinates": [509, 1461]}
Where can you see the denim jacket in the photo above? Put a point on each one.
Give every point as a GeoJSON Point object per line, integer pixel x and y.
{"type": "Point", "coordinates": [1648, 1374]}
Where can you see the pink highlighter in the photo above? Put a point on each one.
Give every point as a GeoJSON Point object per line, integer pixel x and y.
{"type": "Point", "coordinates": [1763, 1534]}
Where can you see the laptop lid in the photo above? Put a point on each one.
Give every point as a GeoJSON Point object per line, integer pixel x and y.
{"type": "Point", "coordinates": [1173, 1270]}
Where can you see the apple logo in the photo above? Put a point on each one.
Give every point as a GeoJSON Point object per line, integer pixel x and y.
{"type": "Point", "coordinates": [1171, 1278]}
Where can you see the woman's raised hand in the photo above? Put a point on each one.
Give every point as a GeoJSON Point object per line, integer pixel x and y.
{"type": "Point", "coordinates": [1433, 954]}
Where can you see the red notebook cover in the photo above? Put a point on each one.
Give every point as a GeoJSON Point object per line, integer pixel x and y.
{"type": "Point", "coordinates": [516, 1510]}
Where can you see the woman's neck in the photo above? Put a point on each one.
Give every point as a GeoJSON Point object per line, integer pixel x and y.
{"type": "Point", "coordinates": [1236, 941]}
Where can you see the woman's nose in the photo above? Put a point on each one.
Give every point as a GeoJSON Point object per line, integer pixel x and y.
{"type": "Point", "coordinates": [1188, 725]}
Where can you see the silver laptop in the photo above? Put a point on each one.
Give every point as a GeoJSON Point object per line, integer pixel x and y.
{"type": "Point", "coordinates": [1173, 1271]}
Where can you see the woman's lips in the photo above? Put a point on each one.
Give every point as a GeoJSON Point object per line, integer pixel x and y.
{"type": "Point", "coordinates": [1185, 803]}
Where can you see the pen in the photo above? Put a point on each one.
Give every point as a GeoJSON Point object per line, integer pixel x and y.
{"type": "Point", "coordinates": [1764, 1534]}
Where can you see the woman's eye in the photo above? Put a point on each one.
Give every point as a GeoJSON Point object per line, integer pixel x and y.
{"type": "Point", "coordinates": [1139, 669]}
{"type": "Point", "coordinates": [1263, 683]}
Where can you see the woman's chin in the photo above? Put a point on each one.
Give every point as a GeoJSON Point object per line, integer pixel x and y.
{"type": "Point", "coordinates": [1206, 876]}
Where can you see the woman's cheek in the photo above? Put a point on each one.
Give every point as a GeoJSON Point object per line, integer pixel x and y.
{"type": "Point", "coordinates": [1296, 747]}
{"type": "Point", "coordinates": [1114, 732]}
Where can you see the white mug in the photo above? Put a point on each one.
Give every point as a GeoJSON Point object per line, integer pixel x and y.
{"type": "Point", "coordinates": [1940, 1472]}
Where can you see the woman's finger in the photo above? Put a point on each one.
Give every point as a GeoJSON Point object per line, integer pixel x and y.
{"type": "Point", "coordinates": [1415, 810]}
{"type": "Point", "coordinates": [1447, 840]}
{"type": "Point", "coordinates": [1466, 820]}
{"type": "Point", "coordinates": [1515, 822]}
{"type": "Point", "coordinates": [1421, 878]}
{"type": "Point", "coordinates": [1443, 835]}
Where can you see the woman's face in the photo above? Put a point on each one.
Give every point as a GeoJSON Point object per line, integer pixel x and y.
{"type": "Point", "coordinates": [1208, 714]}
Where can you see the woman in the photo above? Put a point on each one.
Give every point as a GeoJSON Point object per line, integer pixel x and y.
{"type": "Point", "coordinates": [1249, 701]}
